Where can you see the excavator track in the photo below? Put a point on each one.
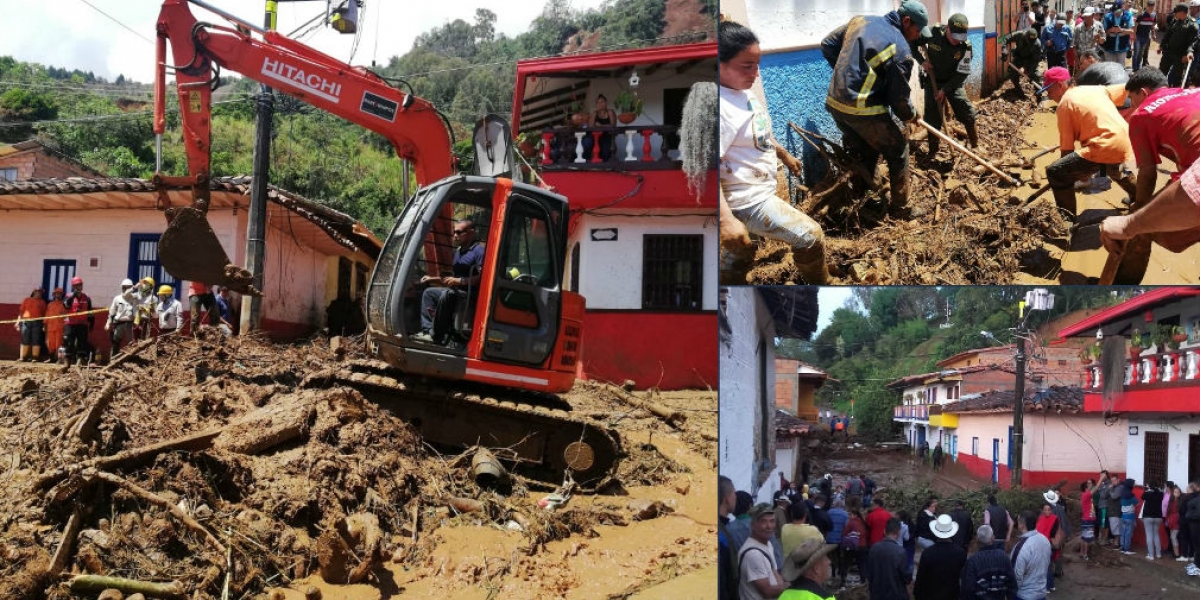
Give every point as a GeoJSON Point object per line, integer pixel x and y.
{"type": "Point", "coordinates": [535, 434]}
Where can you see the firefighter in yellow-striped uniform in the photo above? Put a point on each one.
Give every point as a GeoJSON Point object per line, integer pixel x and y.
{"type": "Point", "coordinates": [807, 567]}
{"type": "Point", "coordinates": [869, 93]}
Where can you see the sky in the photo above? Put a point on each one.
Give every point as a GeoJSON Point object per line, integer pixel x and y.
{"type": "Point", "coordinates": [76, 35]}
{"type": "Point", "coordinates": [829, 299]}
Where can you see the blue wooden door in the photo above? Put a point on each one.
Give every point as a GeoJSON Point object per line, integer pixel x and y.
{"type": "Point", "coordinates": [995, 460]}
{"type": "Point", "coordinates": [143, 261]}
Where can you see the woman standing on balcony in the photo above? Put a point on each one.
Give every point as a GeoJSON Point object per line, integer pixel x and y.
{"type": "Point", "coordinates": [750, 158]}
{"type": "Point", "coordinates": [603, 117]}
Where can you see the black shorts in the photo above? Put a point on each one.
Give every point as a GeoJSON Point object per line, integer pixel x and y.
{"type": "Point", "coordinates": [32, 333]}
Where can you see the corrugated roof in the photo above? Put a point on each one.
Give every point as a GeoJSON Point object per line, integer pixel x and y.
{"type": "Point", "coordinates": [787, 424]}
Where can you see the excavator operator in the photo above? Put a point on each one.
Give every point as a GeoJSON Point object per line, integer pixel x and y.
{"type": "Point", "coordinates": [438, 301]}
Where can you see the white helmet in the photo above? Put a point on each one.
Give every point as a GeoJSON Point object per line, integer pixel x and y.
{"type": "Point", "coordinates": [127, 282]}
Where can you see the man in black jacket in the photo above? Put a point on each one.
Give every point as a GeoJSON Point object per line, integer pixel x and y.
{"type": "Point", "coordinates": [999, 521]}
{"type": "Point", "coordinates": [966, 527]}
{"type": "Point", "coordinates": [988, 574]}
{"type": "Point", "coordinates": [941, 564]}
{"type": "Point", "coordinates": [888, 571]}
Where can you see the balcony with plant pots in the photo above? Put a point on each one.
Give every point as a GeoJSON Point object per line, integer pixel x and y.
{"type": "Point", "coordinates": [1155, 338]}
{"type": "Point", "coordinates": [576, 150]}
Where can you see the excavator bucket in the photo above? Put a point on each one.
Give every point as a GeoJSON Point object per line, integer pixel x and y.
{"type": "Point", "coordinates": [189, 250]}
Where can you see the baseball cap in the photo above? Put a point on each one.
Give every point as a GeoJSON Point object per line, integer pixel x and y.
{"type": "Point", "coordinates": [1054, 75]}
{"type": "Point", "coordinates": [1118, 4]}
{"type": "Point", "coordinates": [1089, 11]}
{"type": "Point", "coordinates": [915, 11]}
{"type": "Point", "coordinates": [1195, 2]}
{"type": "Point", "coordinates": [957, 26]}
{"type": "Point", "coordinates": [760, 509]}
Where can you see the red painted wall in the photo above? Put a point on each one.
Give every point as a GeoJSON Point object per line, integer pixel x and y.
{"type": "Point", "coordinates": [655, 349]}
{"type": "Point", "coordinates": [660, 189]}
{"type": "Point", "coordinates": [1180, 396]}
{"type": "Point", "coordinates": [10, 340]}
{"type": "Point", "coordinates": [982, 468]}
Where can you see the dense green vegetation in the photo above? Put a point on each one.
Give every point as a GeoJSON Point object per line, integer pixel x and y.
{"type": "Point", "coordinates": [893, 332]}
{"type": "Point", "coordinates": [465, 69]}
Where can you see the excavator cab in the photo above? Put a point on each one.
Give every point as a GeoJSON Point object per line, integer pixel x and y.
{"type": "Point", "coordinates": [512, 324]}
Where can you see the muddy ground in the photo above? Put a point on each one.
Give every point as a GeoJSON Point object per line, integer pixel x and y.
{"type": "Point", "coordinates": [279, 483]}
{"type": "Point", "coordinates": [963, 225]}
{"type": "Point", "coordinates": [1109, 575]}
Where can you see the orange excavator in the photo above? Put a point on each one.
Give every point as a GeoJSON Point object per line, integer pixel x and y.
{"type": "Point", "coordinates": [508, 339]}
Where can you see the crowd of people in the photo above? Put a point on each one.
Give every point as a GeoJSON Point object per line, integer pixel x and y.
{"type": "Point", "coordinates": [62, 324]}
{"type": "Point", "coordinates": [821, 537]}
{"type": "Point", "coordinates": [1086, 72]}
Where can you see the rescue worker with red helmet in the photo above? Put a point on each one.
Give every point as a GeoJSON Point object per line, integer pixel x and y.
{"type": "Point", "coordinates": [78, 325]}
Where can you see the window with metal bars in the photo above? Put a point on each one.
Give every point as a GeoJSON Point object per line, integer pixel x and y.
{"type": "Point", "coordinates": [1155, 465]}
{"type": "Point", "coordinates": [672, 272]}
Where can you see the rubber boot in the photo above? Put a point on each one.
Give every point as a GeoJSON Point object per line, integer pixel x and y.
{"type": "Point", "coordinates": [972, 136]}
{"type": "Point", "coordinates": [1065, 199]}
{"type": "Point", "coordinates": [899, 181]}
{"type": "Point", "coordinates": [810, 263]}
{"type": "Point", "coordinates": [934, 145]}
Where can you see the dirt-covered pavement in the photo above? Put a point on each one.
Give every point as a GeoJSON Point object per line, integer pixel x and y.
{"type": "Point", "coordinates": [218, 462]}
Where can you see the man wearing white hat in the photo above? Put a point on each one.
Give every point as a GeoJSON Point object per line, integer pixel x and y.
{"type": "Point", "coordinates": [941, 564]}
{"type": "Point", "coordinates": [807, 567]}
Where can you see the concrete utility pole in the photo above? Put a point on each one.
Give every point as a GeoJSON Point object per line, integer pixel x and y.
{"type": "Point", "coordinates": [264, 110]}
{"type": "Point", "coordinates": [1019, 411]}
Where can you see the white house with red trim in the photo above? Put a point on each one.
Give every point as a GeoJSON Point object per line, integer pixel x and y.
{"type": "Point", "coordinates": [105, 230]}
{"type": "Point", "coordinates": [642, 248]}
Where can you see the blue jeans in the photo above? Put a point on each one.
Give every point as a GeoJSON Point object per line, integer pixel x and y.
{"type": "Point", "coordinates": [1050, 576]}
{"type": "Point", "coordinates": [1141, 50]}
{"type": "Point", "coordinates": [1126, 533]}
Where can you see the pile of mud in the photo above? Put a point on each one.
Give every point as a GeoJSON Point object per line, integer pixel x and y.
{"type": "Point", "coordinates": [961, 226]}
{"type": "Point", "coordinates": [227, 466]}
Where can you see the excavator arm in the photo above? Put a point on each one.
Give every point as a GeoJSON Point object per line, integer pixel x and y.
{"type": "Point", "coordinates": [189, 248]}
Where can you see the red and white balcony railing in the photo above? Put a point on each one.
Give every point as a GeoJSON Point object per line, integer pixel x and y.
{"type": "Point", "coordinates": [1151, 369]}
{"type": "Point", "coordinates": [619, 147]}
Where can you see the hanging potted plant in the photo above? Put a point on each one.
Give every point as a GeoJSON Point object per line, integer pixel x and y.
{"type": "Point", "coordinates": [1085, 355]}
{"type": "Point", "coordinates": [1137, 342]}
{"type": "Point", "coordinates": [575, 112]}
{"type": "Point", "coordinates": [1179, 335]}
{"type": "Point", "coordinates": [628, 106]}
{"type": "Point", "coordinates": [527, 144]}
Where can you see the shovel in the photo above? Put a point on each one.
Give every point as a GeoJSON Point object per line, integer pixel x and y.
{"type": "Point", "coordinates": [979, 159]}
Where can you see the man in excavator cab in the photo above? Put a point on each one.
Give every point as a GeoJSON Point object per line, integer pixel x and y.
{"type": "Point", "coordinates": [441, 299]}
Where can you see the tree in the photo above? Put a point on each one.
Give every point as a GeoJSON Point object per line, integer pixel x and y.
{"type": "Point", "coordinates": [19, 107]}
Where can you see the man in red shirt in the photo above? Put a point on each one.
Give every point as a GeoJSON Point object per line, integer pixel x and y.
{"type": "Point", "coordinates": [1166, 123]}
{"type": "Point", "coordinates": [877, 522]}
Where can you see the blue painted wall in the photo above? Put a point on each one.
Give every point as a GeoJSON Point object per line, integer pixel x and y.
{"type": "Point", "coordinates": [796, 83]}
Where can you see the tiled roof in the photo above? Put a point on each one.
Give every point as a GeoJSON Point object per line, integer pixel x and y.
{"type": "Point", "coordinates": [787, 424]}
{"type": "Point", "coordinates": [1056, 398]}
{"type": "Point", "coordinates": [342, 228]}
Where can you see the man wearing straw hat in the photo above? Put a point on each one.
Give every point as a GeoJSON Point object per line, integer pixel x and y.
{"type": "Point", "coordinates": [941, 564]}
{"type": "Point", "coordinates": [807, 567]}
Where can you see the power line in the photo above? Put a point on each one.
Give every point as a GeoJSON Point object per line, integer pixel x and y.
{"type": "Point", "coordinates": [93, 118]}
{"type": "Point", "coordinates": [114, 20]}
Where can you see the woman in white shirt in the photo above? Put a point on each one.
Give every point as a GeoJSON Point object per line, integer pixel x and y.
{"type": "Point", "coordinates": [749, 160]}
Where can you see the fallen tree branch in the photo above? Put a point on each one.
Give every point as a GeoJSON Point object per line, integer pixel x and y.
{"type": "Point", "coordinates": [174, 509]}
{"type": "Point", "coordinates": [87, 425]}
{"type": "Point", "coordinates": [130, 353]}
{"type": "Point", "coordinates": [59, 562]}
{"type": "Point", "coordinates": [99, 583]}
{"type": "Point", "coordinates": [195, 441]}
{"type": "Point", "coordinates": [672, 417]}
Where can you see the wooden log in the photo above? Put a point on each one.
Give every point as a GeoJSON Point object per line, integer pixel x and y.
{"type": "Point", "coordinates": [65, 547]}
{"type": "Point", "coordinates": [86, 426]}
{"type": "Point", "coordinates": [173, 508]}
{"type": "Point", "coordinates": [195, 441]}
{"type": "Point", "coordinates": [268, 426]}
{"type": "Point", "coordinates": [130, 353]}
{"type": "Point", "coordinates": [672, 417]}
{"type": "Point", "coordinates": [81, 584]}
{"type": "Point", "coordinates": [957, 146]}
